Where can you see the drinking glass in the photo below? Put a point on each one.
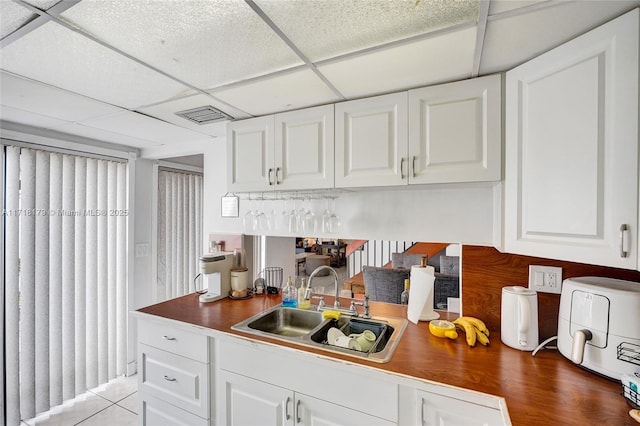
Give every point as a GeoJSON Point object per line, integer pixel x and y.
{"type": "Point", "coordinates": [261, 220]}
{"type": "Point", "coordinates": [248, 220]}
{"type": "Point", "coordinates": [326, 218]}
{"type": "Point", "coordinates": [334, 221]}
{"type": "Point", "coordinates": [293, 218]}
{"type": "Point", "coordinates": [308, 219]}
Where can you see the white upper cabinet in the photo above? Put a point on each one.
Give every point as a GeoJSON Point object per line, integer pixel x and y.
{"type": "Point", "coordinates": [304, 148]}
{"type": "Point", "coordinates": [455, 132]}
{"type": "Point", "coordinates": [571, 177]}
{"type": "Point", "coordinates": [439, 134]}
{"type": "Point", "coordinates": [371, 141]}
{"type": "Point", "coordinates": [250, 154]}
{"type": "Point", "coordinates": [287, 151]}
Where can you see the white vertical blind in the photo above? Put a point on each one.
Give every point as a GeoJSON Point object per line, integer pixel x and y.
{"type": "Point", "coordinates": [65, 277]}
{"type": "Point", "coordinates": [179, 232]}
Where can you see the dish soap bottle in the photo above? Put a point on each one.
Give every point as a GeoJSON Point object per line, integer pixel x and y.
{"type": "Point", "coordinates": [304, 296]}
{"type": "Point", "coordinates": [290, 295]}
{"type": "Point", "coordinates": [404, 296]}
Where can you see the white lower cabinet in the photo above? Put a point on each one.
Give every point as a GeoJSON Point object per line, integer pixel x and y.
{"type": "Point", "coordinates": [174, 375]}
{"type": "Point", "coordinates": [252, 402]}
{"type": "Point", "coordinates": [259, 384]}
{"type": "Point", "coordinates": [271, 385]}
{"type": "Point", "coordinates": [431, 405]}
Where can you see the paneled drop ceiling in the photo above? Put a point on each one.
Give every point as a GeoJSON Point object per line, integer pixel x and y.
{"type": "Point", "coordinates": [119, 70]}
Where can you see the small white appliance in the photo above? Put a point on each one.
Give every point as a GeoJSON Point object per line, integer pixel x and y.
{"type": "Point", "coordinates": [216, 275]}
{"type": "Point", "coordinates": [519, 318]}
{"type": "Point", "coordinates": [599, 325]}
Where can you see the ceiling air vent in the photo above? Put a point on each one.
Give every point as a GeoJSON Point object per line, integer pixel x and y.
{"type": "Point", "coordinates": [204, 115]}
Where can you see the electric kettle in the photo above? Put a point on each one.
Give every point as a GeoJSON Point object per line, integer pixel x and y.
{"type": "Point", "coordinates": [519, 318]}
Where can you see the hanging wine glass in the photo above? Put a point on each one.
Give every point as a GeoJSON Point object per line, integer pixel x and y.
{"type": "Point", "coordinates": [308, 219]}
{"type": "Point", "coordinates": [248, 220]}
{"type": "Point", "coordinates": [326, 217]}
{"type": "Point", "coordinates": [334, 221]}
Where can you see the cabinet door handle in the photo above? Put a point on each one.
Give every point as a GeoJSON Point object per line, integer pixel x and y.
{"type": "Point", "coordinates": [277, 174]}
{"type": "Point", "coordinates": [286, 408]}
{"type": "Point", "coordinates": [624, 242]}
{"type": "Point", "coordinates": [413, 166]}
{"type": "Point", "coordinates": [402, 168]}
{"type": "Point", "coordinates": [298, 419]}
{"type": "Point", "coordinates": [168, 338]}
{"type": "Point", "coordinates": [269, 176]}
{"type": "Point", "coordinates": [169, 379]}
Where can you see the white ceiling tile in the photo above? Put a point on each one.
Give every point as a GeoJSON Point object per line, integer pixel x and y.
{"type": "Point", "coordinates": [43, 4]}
{"type": "Point", "coordinates": [29, 118]}
{"type": "Point", "coordinates": [59, 57]}
{"type": "Point", "coordinates": [205, 43]}
{"type": "Point", "coordinates": [447, 57]}
{"type": "Point", "coordinates": [293, 90]}
{"type": "Point", "coordinates": [106, 135]}
{"type": "Point", "coordinates": [325, 29]}
{"type": "Point", "coordinates": [12, 17]}
{"type": "Point", "coordinates": [143, 127]}
{"type": "Point", "coordinates": [511, 41]}
{"type": "Point", "coordinates": [167, 111]}
{"type": "Point", "coordinates": [49, 101]}
{"type": "Point", "coordinates": [500, 6]}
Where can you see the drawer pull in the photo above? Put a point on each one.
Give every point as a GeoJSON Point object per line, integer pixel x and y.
{"type": "Point", "coordinates": [168, 338]}
{"type": "Point", "coordinates": [169, 379]}
{"type": "Point", "coordinates": [298, 419]}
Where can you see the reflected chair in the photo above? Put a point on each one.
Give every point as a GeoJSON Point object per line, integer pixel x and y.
{"type": "Point", "coordinates": [384, 284]}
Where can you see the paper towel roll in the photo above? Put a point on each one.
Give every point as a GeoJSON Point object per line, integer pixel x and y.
{"type": "Point", "coordinates": [421, 295]}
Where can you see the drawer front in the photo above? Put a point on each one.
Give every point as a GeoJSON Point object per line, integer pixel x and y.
{"type": "Point", "coordinates": [180, 381]}
{"type": "Point", "coordinates": [173, 339]}
{"type": "Point", "coordinates": [154, 411]}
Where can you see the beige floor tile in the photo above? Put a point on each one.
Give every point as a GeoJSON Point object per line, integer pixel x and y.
{"type": "Point", "coordinates": [71, 412]}
{"type": "Point", "coordinates": [117, 389]}
{"type": "Point", "coordinates": [114, 415]}
{"type": "Point", "coordinates": [130, 403]}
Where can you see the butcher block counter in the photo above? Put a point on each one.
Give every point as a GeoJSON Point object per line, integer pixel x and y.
{"type": "Point", "coordinates": [543, 390]}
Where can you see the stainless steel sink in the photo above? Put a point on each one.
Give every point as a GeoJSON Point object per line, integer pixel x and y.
{"type": "Point", "coordinates": [286, 322]}
{"type": "Point", "coordinates": [309, 328]}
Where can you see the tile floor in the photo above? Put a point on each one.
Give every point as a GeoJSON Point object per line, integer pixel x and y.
{"type": "Point", "coordinates": [114, 403]}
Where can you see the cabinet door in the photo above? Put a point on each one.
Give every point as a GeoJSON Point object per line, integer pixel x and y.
{"type": "Point", "coordinates": [455, 132]}
{"type": "Point", "coordinates": [371, 141]}
{"type": "Point", "coordinates": [304, 149]}
{"type": "Point", "coordinates": [439, 410]}
{"type": "Point", "coordinates": [311, 411]}
{"type": "Point", "coordinates": [571, 177]}
{"type": "Point", "coordinates": [249, 402]}
{"type": "Point", "coordinates": [250, 161]}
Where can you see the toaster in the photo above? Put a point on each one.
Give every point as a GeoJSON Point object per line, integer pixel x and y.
{"type": "Point", "coordinates": [599, 325]}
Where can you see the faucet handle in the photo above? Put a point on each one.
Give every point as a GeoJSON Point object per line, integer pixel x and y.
{"type": "Point", "coordinates": [321, 304]}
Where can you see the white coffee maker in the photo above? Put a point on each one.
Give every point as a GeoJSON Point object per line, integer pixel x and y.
{"type": "Point", "coordinates": [216, 275]}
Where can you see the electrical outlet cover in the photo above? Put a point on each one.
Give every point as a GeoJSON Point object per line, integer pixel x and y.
{"type": "Point", "coordinates": [545, 279]}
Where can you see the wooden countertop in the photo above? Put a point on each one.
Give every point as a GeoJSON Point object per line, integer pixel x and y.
{"type": "Point", "coordinates": [543, 390]}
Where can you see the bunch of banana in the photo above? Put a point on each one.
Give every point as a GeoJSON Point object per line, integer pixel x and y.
{"type": "Point", "coordinates": [474, 329]}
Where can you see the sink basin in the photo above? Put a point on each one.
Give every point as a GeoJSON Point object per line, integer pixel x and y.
{"type": "Point", "coordinates": [309, 328]}
{"type": "Point", "coordinates": [287, 322]}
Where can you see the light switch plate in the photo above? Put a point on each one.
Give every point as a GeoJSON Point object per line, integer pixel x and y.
{"type": "Point", "coordinates": [545, 279]}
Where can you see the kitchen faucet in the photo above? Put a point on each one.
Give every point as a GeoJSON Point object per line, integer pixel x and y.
{"type": "Point", "coordinates": [336, 304]}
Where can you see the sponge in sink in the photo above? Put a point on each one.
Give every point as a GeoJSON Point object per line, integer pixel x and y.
{"type": "Point", "coordinates": [330, 314]}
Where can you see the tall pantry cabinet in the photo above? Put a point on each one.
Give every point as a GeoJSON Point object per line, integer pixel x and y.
{"type": "Point", "coordinates": [571, 150]}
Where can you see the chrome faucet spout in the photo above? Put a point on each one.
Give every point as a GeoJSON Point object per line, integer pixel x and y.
{"type": "Point", "coordinates": [336, 304]}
